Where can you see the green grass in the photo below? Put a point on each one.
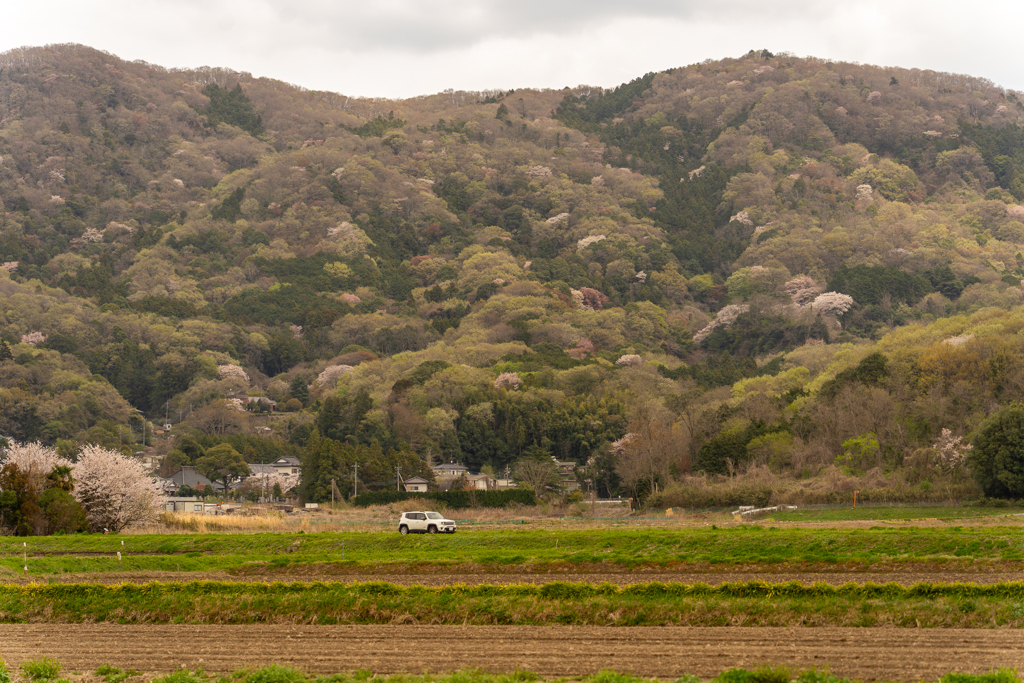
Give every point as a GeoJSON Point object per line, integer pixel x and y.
{"type": "Point", "coordinates": [764, 674]}
{"type": "Point", "coordinates": [530, 549]}
{"type": "Point", "coordinates": [942, 512]}
{"type": "Point", "coordinates": [751, 603]}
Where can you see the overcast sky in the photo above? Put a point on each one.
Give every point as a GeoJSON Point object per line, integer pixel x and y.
{"type": "Point", "coordinates": [403, 48]}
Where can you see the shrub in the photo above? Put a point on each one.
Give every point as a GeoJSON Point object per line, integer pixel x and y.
{"type": "Point", "coordinates": [275, 673]}
{"type": "Point", "coordinates": [183, 676]}
{"type": "Point", "coordinates": [44, 669]}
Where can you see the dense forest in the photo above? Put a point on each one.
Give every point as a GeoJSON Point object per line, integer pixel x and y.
{"type": "Point", "coordinates": [752, 279]}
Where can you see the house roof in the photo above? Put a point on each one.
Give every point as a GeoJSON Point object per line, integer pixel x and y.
{"type": "Point", "coordinates": [187, 476]}
{"type": "Point", "coordinates": [416, 480]}
{"type": "Point", "coordinates": [287, 461]}
{"type": "Point", "coordinates": [257, 470]}
{"type": "Point", "coordinates": [451, 467]}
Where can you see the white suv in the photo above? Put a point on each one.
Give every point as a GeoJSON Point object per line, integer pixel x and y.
{"type": "Point", "coordinates": [425, 523]}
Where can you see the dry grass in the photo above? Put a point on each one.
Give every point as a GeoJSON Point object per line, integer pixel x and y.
{"type": "Point", "coordinates": [760, 486]}
{"type": "Point", "coordinates": [343, 517]}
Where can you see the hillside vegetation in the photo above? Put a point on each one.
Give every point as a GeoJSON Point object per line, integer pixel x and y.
{"type": "Point", "coordinates": [803, 272]}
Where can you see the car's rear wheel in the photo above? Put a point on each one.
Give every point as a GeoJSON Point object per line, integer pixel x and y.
{"type": "Point", "coordinates": [432, 529]}
{"type": "Point", "coordinates": [403, 530]}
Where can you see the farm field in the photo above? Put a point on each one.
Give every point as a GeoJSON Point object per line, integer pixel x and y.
{"type": "Point", "coordinates": [870, 599]}
{"type": "Point", "coordinates": [991, 545]}
{"type": "Point", "coordinates": [550, 651]}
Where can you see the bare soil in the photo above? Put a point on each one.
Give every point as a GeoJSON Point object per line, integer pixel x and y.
{"type": "Point", "coordinates": [552, 651]}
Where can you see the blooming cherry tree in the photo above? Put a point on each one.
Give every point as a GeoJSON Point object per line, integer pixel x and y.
{"type": "Point", "coordinates": [802, 290]}
{"type": "Point", "coordinates": [832, 303]}
{"type": "Point", "coordinates": [114, 490]}
{"type": "Point", "coordinates": [952, 451]}
{"type": "Point", "coordinates": [726, 317]}
{"type": "Point", "coordinates": [329, 376]}
{"type": "Point", "coordinates": [35, 460]}
{"type": "Point", "coordinates": [508, 380]}
{"type": "Point", "coordinates": [232, 371]}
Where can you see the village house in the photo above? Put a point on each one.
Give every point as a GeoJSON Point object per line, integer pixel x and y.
{"type": "Point", "coordinates": [416, 485]}
{"type": "Point", "coordinates": [288, 465]}
{"type": "Point", "coordinates": [188, 476]}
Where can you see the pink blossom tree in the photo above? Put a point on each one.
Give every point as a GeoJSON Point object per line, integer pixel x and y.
{"type": "Point", "coordinates": [832, 303]}
{"type": "Point", "coordinates": [508, 380]}
{"type": "Point", "coordinates": [35, 460]}
{"type": "Point", "coordinates": [114, 490]}
{"type": "Point", "coordinates": [802, 290]}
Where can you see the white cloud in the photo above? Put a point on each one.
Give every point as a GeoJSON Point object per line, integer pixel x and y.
{"type": "Point", "coordinates": [400, 48]}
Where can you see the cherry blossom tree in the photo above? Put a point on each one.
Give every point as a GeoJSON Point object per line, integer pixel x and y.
{"type": "Point", "coordinates": [802, 290]}
{"type": "Point", "coordinates": [726, 317]}
{"type": "Point", "coordinates": [114, 490]}
{"type": "Point", "coordinates": [508, 380]}
{"type": "Point", "coordinates": [229, 371]}
{"type": "Point", "coordinates": [588, 299]}
{"type": "Point", "coordinates": [832, 303]}
{"type": "Point", "coordinates": [951, 450]}
{"type": "Point", "coordinates": [330, 375]}
{"type": "Point", "coordinates": [36, 461]}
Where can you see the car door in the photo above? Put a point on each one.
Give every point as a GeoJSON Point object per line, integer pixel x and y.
{"type": "Point", "coordinates": [417, 521]}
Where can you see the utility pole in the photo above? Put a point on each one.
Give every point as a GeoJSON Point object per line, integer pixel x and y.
{"type": "Point", "coordinates": [398, 478]}
{"type": "Point", "coordinates": [355, 479]}
{"type": "Point", "coordinates": [332, 492]}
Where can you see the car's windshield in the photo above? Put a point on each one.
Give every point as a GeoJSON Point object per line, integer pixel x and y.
{"type": "Point", "coordinates": [435, 515]}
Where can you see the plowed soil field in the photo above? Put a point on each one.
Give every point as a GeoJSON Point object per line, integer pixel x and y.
{"type": "Point", "coordinates": [552, 651]}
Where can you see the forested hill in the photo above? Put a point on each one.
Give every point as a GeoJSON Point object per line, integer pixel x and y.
{"type": "Point", "coordinates": [752, 262]}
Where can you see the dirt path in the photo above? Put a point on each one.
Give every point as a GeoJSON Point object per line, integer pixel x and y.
{"type": "Point", "coordinates": [552, 651]}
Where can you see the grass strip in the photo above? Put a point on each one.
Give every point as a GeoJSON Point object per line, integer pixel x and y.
{"type": "Point", "coordinates": [276, 673]}
{"type": "Point", "coordinates": [628, 548]}
{"type": "Point", "coordinates": [749, 603]}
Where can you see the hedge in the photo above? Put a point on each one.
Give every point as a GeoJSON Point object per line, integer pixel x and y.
{"type": "Point", "coordinates": [454, 500]}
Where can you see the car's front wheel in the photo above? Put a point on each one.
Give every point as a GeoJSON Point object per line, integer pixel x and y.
{"type": "Point", "coordinates": [432, 529]}
{"type": "Point", "coordinates": [403, 530]}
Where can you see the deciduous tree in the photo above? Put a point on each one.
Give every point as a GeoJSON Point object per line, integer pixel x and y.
{"type": "Point", "coordinates": [114, 489]}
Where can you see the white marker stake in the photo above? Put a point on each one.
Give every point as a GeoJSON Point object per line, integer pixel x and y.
{"type": "Point", "coordinates": [25, 543]}
{"type": "Point", "coordinates": [119, 557]}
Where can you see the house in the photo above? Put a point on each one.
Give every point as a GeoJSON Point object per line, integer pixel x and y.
{"type": "Point", "coordinates": [416, 485]}
{"type": "Point", "coordinates": [187, 476]}
{"type": "Point", "coordinates": [481, 482]}
{"type": "Point", "coordinates": [150, 461]}
{"type": "Point", "coordinates": [289, 464]}
{"type": "Point", "coordinates": [566, 475]}
{"type": "Point", "coordinates": [451, 470]}
{"type": "Point", "coordinates": [183, 504]}
{"type": "Point", "coordinates": [257, 470]}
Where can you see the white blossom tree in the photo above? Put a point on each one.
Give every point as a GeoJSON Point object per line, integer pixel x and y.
{"type": "Point", "coordinates": [832, 303]}
{"type": "Point", "coordinates": [35, 460]}
{"type": "Point", "coordinates": [508, 380]}
{"type": "Point", "coordinates": [951, 451]}
{"type": "Point", "coordinates": [114, 490]}
{"type": "Point", "coordinates": [726, 317]}
{"type": "Point", "coordinates": [802, 289]}
{"type": "Point", "coordinates": [232, 371]}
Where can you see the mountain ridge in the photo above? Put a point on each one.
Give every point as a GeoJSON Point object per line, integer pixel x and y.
{"type": "Point", "coordinates": [498, 275]}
